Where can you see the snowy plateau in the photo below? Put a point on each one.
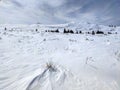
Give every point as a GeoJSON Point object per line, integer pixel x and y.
{"type": "Point", "coordinates": [36, 57]}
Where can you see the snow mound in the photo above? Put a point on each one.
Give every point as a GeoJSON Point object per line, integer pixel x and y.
{"type": "Point", "coordinates": [55, 77]}
{"type": "Point", "coordinates": [87, 26]}
{"type": "Point", "coordinates": [51, 78]}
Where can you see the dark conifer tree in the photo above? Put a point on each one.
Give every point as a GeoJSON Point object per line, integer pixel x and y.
{"type": "Point", "coordinates": [93, 33]}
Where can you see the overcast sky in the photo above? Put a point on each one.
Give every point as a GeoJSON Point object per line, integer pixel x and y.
{"type": "Point", "coordinates": [59, 11]}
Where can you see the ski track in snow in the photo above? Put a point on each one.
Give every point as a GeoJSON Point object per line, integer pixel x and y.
{"type": "Point", "coordinates": [80, 63]}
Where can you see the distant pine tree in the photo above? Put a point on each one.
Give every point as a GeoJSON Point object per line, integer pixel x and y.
{"type": "Point", "coordinates": [71, 31]}
{"type": "Point", "coordinates": [109, 33]}
{"type": "Point", "coordinates": [36, 30]}
{"type": "Point", "coordinates": [80, 32]}
{"type": "Point", "coordinates": [65, 31]}
{"type": "Point", "coordinates": [57, 31]}
{"type": "Point", "coordinates": [93, 33]}
{"type": "Point", "coordinates": [99, 32]}
{"type": "Point", "coordinates": [76, 32]}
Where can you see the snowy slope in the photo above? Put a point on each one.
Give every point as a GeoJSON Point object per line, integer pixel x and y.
{"type": "Point", "coordinates": [79, 61]}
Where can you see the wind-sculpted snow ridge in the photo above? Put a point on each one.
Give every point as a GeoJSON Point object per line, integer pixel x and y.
{"type": "Point", "coordinates": [55, 77]}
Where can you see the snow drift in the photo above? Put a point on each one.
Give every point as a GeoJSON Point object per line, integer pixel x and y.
{"type": "Point", "coordinates": [56, 77]}
{"type": "Point", "coordinates": [79, 61]}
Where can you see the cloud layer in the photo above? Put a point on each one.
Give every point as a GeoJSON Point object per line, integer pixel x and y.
{"type": "Point", "coordinates": [59, 11]}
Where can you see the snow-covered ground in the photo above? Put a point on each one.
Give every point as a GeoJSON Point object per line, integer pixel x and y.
{"type": "Point", "coordinates": [42, 60]}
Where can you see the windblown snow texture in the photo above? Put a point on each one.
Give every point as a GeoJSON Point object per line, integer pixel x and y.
{"type": "Point", "coordinates": [33, 59]}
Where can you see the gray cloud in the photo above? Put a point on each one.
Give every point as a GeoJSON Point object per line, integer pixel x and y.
{"type": "Point", "coordinates": [60, 11]}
